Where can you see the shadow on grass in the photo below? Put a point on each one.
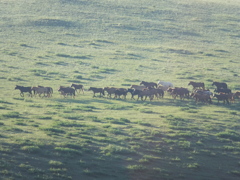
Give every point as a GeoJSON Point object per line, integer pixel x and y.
{"type": "Point", "coordinates": [79, 101]}
{"type": "Point", "coordinates": [36, 162]}
{"type": "Point", "coordinates": [166, 102]}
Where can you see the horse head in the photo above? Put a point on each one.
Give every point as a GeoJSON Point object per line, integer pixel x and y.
{"type": "Point", "coordinates": [17, 87]}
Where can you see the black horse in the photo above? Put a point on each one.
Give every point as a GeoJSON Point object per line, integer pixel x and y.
{"type": "Point", "coordinates": [67, 91]}
{"type": "Point", "coordinates": [149, 84]}
{"type": "Point", "coordinates": [78, 87]}
{"type": "Point", "coordinates": [97, 90]}
{"type": "Point", "coordinates": [221, 90]}
{"type": "Point", "coordinates": [24, 89]}
{"type": "Point", "coordinates": [220, 85]}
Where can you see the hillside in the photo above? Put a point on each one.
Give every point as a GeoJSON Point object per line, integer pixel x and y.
{"type": "Point", "coordinates": [111, 43]}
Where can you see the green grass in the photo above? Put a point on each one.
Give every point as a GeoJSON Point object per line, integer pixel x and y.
{"type": "Point", "coordinates": [117, 44]}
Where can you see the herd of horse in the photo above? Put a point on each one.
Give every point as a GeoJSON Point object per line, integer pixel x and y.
{"type": "Point", "coordinates": [143, 91]}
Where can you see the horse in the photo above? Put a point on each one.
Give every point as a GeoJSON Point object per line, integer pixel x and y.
{"type": "Point", "coordinates": [96, 90]}
{"type": "Point", "coordinates": [24, 89]}
{"type": "Point", "coordinates": [78, 87]}
{"type": "Point", "coordinates": [137, 87]}
{"type": "Point", "coordinates": [157, 92]}
{"type": "Point", "coordinates": [222, 97]}
{"type": "Point", "coordinates": [120, 92]}
{"type": "Point", "coordinates": [197, 84]}
{"type": "Point", "coordinates": [40, 91]}
{"type": "Point", "coordinates": [134, 92]}
{"type": "Point", "coordinates": [50, 90]}
{"type": "Point", "coordinates": [220, 85]}
{"type": "Point", "coordinates": [205, 98]}
{"type": "Point", "coordinates": [221, 90]}
{"type": "Point", "coordinates": [179, 91]}
{"type": "Point", "coordinates": [147, 93]}
{"type": "Point", "coordinates": [237, 94]}
{"type": "Point", "coordinates": [67, 91]}
{"type": "Point", "coordinates": [110, 91]}
{"type": "Point", "coordinates": [160, 92]}
{"type": "Point", "coordinates": [149, 84]}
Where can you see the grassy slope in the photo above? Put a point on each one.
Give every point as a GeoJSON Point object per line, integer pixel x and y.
{"type": "Point", "coordinates": [117, 43]}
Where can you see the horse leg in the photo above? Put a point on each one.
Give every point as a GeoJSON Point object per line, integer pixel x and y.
{"type": "Point", "coordinates": [181, 97]}
{"type": "Point", "coordinates": [151, 97]}
{"type": "Point", "coordinates": [210, 100]}
{"type": "Point", "coordinates": [21, 94]}
{"type": "Point", "coordinates": [138, 97]}
{"type": "Point", "coordinates": [227, 101]}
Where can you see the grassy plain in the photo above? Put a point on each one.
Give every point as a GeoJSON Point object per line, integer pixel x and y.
{"type": "Point", "coordinates": [117, 43]}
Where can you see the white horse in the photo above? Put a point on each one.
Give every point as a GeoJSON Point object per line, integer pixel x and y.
{"type": "Point", "coordinates": [164, 85]}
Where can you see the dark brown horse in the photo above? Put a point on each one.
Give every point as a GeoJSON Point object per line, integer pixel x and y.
{"type": "Point", "coordinates": [24, 89]}
{"type": "Point", "coordinates": [110, 91]}
{"type": "Point", "coordinates": [120, 92]}
{"type": "Point", "coordinates": [149, 84]}
{"type": "Point", "coordinates": [197, 84]}
{"type": "Point", "coordinates": [78, 87]}
{"type": "Point", "coordinates": [219, 85]}
{"type": "Point", "coordinates": [222, 97]}
{"type": "Point", "coordinates": [237, 94]}
{"type": "Point", "coordinates": [179, 91]}
{"type": "Point", "coordinates": [150, 93]}
{"type": "Point", "coordinates": [96, 90]}
{"type": "Point", "coordinates": [221, 90]}
{"type": "Point", "coordinates": [67, 91]}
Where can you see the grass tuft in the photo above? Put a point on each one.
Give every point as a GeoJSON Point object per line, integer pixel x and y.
{"type": "Point", "coordinates": [229, 134]}
{"type": "Point", "coordinates": [13, 114]}
{"type": "Point", "coordinates": [31, 149]}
